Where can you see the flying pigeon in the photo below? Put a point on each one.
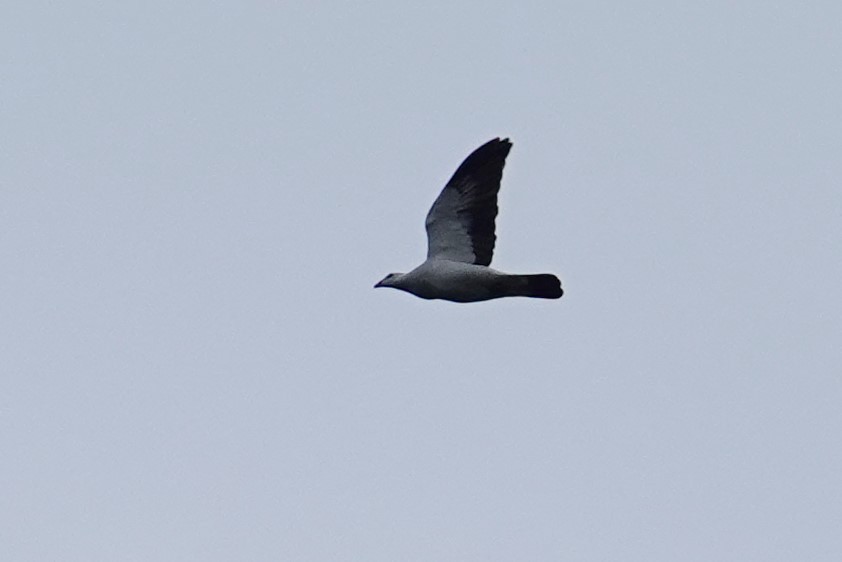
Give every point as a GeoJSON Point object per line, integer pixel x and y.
{"type": "Point", "coordinates": [460, 240]}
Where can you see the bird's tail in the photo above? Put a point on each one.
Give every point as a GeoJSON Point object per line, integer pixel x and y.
{"type": "Point", "coordinates": [540, 286]}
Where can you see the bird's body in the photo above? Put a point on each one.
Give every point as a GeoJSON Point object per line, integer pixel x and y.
{"type": "Point", "coordinates": [465, 282]}
{"type": "Point", "coordinates": [460, 234]}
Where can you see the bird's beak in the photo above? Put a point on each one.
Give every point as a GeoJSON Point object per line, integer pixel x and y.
{"type": "Point", "coordinates": [379, 284]}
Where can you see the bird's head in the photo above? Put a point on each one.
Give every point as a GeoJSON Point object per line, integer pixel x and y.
{"type": "Point", "coordinates": [389, 281]}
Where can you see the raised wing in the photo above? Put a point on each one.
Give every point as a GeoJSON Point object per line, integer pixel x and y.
{"type": "Point", "coordinates": [460, 224]}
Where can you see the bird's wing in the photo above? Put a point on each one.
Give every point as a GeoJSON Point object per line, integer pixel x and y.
{"type": "Point", "coordinates": [460, 224]}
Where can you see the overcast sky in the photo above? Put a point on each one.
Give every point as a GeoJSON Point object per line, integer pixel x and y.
{"type": "Point", "coordinates": [196, 199]}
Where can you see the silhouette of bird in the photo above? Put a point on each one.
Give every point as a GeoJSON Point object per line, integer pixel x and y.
{"type": "Point", "coordinates": [460, 240]}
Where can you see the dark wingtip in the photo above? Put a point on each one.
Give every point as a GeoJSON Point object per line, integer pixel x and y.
{"type": "Point", "coordinates": [495, 149]}
{"type": "Point", "coordinates": [500, 141]}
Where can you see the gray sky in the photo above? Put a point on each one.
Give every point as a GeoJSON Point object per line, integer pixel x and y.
{"type": "Point", "coordinates": [197, 197]}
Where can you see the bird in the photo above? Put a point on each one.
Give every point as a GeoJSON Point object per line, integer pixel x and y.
{"type": "Point", "coordinates": [460, 240]}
